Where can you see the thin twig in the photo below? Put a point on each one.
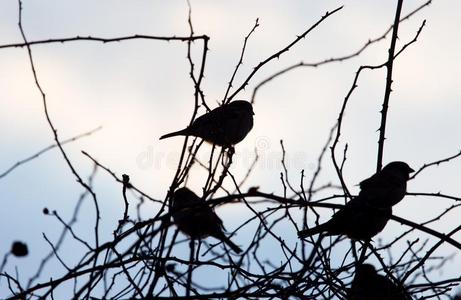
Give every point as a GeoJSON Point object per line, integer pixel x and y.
{"type": "Point", "coordinates": [46, 149]}
{"type": "Point", "coordinates": [277, 55]}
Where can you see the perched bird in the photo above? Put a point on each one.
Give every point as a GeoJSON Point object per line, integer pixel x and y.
{"type": "Point", "coordinates": [367, 214]}
{"type": "Point", "coordinates": [358, 220]}
{"type": "Point", "coordinates": [388, 186]}
{"type": "Point", "coordinates": [368, 284]}
{"type": "Point", "coordinates": [224, 126]}
{"type": "Point", "coordinates": [194, 217]}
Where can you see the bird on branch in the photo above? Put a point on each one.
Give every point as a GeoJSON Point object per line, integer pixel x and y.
{"type": "Point", "coordinates": [194, 217]}
{"type": "Point", "coordinates": [368, 284]}
{"type": "Point", "coordinates": [224, 126]}
{"type": "Point", "coordinates": [367, 214]}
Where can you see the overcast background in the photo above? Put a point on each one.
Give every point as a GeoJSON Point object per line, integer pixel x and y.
{"type": "Point", "coordinates": [140, 89]}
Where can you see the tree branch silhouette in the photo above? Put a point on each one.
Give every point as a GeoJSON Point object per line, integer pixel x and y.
{"type": "Point", "coordinates": [150, 258]}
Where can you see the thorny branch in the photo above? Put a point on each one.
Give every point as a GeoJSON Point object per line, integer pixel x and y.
{"type": "Point", "coordinates": [143, 258]}
{"type": "Point", "coordinates": [388, 89]}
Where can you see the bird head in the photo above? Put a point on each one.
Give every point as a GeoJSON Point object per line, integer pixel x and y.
{"type": "Point", "coordinates": [398, 168]}
{"type": "Point", "coordinates": [242, 106]}
{"type": "Point", "coordinates": [365, 277]}
{"type": "Point", "coordinates": [183, 197]}
{"type": "Point", "coordinates": [365, 271]}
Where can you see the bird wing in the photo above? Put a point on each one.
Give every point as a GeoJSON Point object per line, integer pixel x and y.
{"type": "Point", "coordinates": [383, 189]}
{"type": "Point", "coordinates": [204, 121]}
{"type": "Point", "coordinates": [207, 218]}
{"type": "Point", "coordinates": [373, 182]}
{"type": "Point", "coordinates": [214, 217]}
{"type": "Point", "coordinates": [382, 180]}
{"type": "Point", "coordinates": [359, 219]}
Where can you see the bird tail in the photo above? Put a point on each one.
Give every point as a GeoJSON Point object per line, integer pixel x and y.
{"type": "Point", "coordinates": [231, 244]}
{"type": "Point", "coordinates": [176, 133]}
{"type": "Point", "coordinates": [311, 231]}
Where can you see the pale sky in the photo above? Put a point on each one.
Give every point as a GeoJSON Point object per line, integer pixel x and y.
{"type": "Point", "coordinates": [140, 89]}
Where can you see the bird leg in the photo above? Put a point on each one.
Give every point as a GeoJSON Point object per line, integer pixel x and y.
{"type": "Point", "coordinates": [231, 151]}
{"type": "Point", "coordinates": [198, 249]}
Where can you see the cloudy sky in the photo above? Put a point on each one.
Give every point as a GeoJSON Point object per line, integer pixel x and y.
{"type": "Point", "coordinates": [140, 89]}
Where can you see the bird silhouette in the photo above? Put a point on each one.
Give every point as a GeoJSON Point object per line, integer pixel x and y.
{"type": "Point", "coordinates": [194, 217]}
{"type": "Point", "coordinates": [224, 126]}
{"type": "Point", "coordinates": [367, 214]}
{"type": "Point", "coordinates": [369, 285]}
{"type": "Point", "coordinates": [358, 220]}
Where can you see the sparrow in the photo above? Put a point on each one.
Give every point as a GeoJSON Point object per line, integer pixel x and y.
{"type": "Point", "coordinates": [368, 284]}
{"type": "Point", "coordinates": [367, 214]}
{"type": "Point", "coordinates": [194, 217]}
{"type": "Point", "coordinates": [388, 186]}
{"type": "Point", "coordinates": [358, 220]}
{"type": "Point", "coordinates": [224, 126]}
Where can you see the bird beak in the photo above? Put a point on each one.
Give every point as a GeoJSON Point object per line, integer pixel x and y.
{"type": "Point", "coordinates": [411, 170]}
